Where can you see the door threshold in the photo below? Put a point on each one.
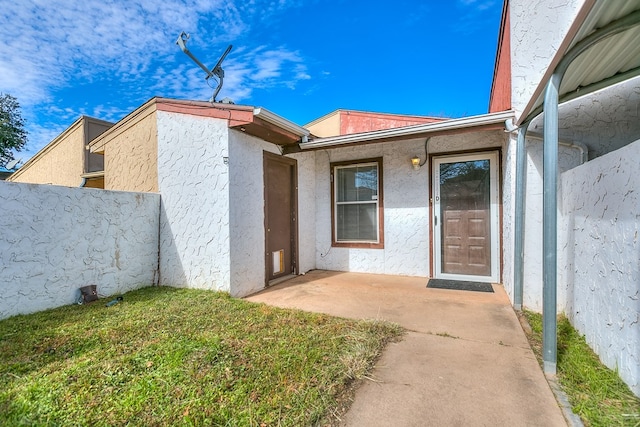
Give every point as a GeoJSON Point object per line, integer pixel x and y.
{"type": "Point", "coordinates": [280, 280]}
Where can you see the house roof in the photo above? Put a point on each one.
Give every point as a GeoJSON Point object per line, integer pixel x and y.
{"type": "Point", "coordinates": [343, 122]}
{"type": "Point", "coordinates": [256, 121]}
{"type": "Point", "coordinates": [372, 113]}
{"type": "Point", "coordinates": [613, 59]}
{"type": "Point", "coordinates": [80, 122]}
{"type": "Point", "coordinates": [483, 122]}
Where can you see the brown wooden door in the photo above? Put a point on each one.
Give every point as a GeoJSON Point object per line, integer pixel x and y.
{"type": "Point", "coordinates": [465, 212]}
{"type": "Point", "coordinates": [280, 215]}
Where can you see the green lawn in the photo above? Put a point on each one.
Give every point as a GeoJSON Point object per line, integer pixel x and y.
{"type": "Point", "coordinates": [596, 393]}
{"type": "Point", "coordinates": [167, 356]}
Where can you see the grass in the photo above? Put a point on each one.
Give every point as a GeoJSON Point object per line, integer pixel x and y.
{"type": "Point", "coordinates": [168, 356]}
{"type": "Point", "coordinates": [596, 393]}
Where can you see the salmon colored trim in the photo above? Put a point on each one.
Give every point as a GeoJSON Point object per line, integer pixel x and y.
{"type": "Point", "coordinates": [234, 117]}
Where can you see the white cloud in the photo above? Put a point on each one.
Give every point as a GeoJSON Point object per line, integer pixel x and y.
{"type": "Point", "coordinates": [245, 71]}
{"type": "Point", "coordinates": [473, 13]}
{"type": "Point", "coordinates": [50, 47]}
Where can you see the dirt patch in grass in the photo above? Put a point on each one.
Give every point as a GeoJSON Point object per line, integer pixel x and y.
{"type": "Point", "coordinates": [596, 393]}
{"type": "Point", "coordinates": [168, 356]}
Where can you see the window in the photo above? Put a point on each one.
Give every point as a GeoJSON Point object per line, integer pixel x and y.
{"type": "Point", "coordinates": [357, 203]}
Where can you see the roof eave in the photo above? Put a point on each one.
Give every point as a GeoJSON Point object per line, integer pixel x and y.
{"type": "Point", "coordinates": [281, 122]}
{"type": "Point", "coordinates": [481, 122]}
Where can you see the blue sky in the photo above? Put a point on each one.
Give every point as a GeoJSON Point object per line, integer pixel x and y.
{"type": "Point", "coordinates": [299, 59]}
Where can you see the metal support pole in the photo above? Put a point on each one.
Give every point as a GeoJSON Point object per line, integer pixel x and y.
{"type": "Point", "coordinates": [550, 225]}
{"type": "Point", "coordinates": [550, 178]}
{"type": "Point", "coordinates": [521, 175]}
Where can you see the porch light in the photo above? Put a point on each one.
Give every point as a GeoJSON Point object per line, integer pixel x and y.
{"type": "Point", "coordinates": [415, 162]}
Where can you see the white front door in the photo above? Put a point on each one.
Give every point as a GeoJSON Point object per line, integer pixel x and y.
{"type": "Point", "coordinates": [466, 217]}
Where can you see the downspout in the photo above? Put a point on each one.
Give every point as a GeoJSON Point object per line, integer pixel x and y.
{"type": "Point", "coordinates": [521, 175]}
{"type": "Point", "coordinates": [550, 190]}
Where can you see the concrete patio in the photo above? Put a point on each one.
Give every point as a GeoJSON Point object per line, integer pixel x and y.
{"type": "Point", "coordinates": [465, 360]}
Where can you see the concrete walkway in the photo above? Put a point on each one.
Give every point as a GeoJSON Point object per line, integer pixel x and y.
{"type": "Point", "coordinates": [464, 362]}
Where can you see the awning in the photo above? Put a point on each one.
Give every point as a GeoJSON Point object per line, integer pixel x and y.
{"type": "Point", "coordinates": [612, 60]}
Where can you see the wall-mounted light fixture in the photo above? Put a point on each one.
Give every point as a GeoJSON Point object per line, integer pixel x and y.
{"type": "Point", "coordinates": [415, 162]}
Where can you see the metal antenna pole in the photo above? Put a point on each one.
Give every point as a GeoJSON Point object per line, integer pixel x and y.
{"type": "Point", "coordinates": [216, 71]}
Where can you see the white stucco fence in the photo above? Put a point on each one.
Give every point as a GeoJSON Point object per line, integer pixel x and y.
{"type": "Point", "coordinates": [54, 240]}
{"type": "Point", "coordinates": [599, 262]}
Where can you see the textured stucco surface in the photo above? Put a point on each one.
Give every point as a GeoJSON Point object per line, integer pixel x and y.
{"type": "Point", "coordinates": [604, 121]}
{"type": "Point", "coordinates": [60, 163]}
{"type": "Point", "coordinates": [538, 28]}
{"type": "Point", "coordinates": [55, 240]}
{"type": "Point", "coordinates": [406, 204]}
{"type": "Point", "coordinates": [533, 249]}
{"type": "Point", "coordinates": [600, 250]}
{"type": "Point", "coordinates": [131, 156]}
{"type": "Point", "coordinates": [246, 212]}
{"type": "Point", "coordinates": [194, 182]}
{"type": "Point", "coordinates": [508, 212]}
{"type": "Point", "coordinates": [306, 210]}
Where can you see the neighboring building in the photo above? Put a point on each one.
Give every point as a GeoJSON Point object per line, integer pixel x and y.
{"type": "Point", "coordinates": [344, 122]}
{"type": "Point", "coordinates": [66, 160]}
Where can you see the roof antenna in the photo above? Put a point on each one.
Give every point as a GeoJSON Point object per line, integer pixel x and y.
{"type": "Point", "coordinates": [216, 71]}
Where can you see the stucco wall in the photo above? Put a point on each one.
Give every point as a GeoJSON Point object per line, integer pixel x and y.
{"type": "Point", "coordinates": [59, 163]}
{"type": "Point", "coordinates": [329, 126]}
{"type": "Point", "coordinates": [131, 156]}
{"type": "Point", "coordinates": [508, 212]}
{"type": "Point", "coordinates": [600, 249]}
{"type": "Point", "coordinates": [194, 182]}
{"type": "Point", "coordinates": [246, 212]}
{"type": "Point", "coordinates": [55, 240]}
{"type": "Point", "coordinates": [406, 204]}
{"type": "Point", "coordinates": [358, 121]}
{"type": "Point", "coordinates": [533, 250]}
{"type": "Point", "coordinates": [306, 210]}
{"type": "Point", "coordinates": [604, 121]}
{"type": "Point", "coordinates": [538, 28]}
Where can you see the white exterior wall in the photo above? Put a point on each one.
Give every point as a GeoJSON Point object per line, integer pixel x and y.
{"type": "Point", "coordinates": [247, 232]}
{"type": "Point", "coordinates": [406, 213]}
{"type": "Point", "coordinates": [306, 210]}
{"type": "Point", "coordinates": [605, 120]}
{"type": "Point", "coordinates": [246, 210]}
{"type": "Point", "coordinates": [406, 204]}
{"type": "Point", "coordinates": [600, 248]}
{"type": "Point", "coordinates": [538, 27]}
{"type": "Point", "coordinates": [508, 212]}
{"type": "Point", "coordinates": [194, 182]}
{"type": "Point", "coordinates": [533, 251]}
{"type": "Point", "coordinates": [55, 240]}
